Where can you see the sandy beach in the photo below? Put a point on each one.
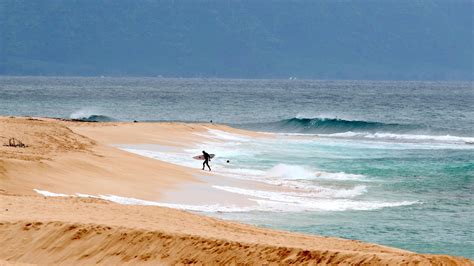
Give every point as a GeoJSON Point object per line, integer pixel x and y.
{"type": "Point", "coordinates": [70, 157]}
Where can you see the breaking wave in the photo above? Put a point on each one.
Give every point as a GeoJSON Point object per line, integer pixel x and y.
{"type": "Point", "coordinates": [360, 129]}
{"type": "Point", "coordinates": [87, 115]}
{"type": "Point", "coordinates": [96, 118]}
{"type": "Point", "coordinates": [335, 125]}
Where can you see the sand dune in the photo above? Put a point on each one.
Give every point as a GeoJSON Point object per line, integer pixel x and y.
{"type": "Point", "coordinates": [90, 231]}
{"type": "Point", "coordinates": [69, 157]}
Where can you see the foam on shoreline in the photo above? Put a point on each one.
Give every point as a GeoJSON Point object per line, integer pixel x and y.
{"type": "Point", "coordinates": [274, 201]}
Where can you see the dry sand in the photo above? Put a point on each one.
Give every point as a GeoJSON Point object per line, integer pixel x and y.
{"type": "Point", "coordinates": [60, 160]}
{"type": "Point", "coordinates": [69, 157]}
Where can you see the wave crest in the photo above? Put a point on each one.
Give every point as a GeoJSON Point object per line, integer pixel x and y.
{"type": "Point", "coordinates": [90, 115]}
{"type": "Point", "coordinates": [336, 125]}
{"type": "Point", "coordinates": [96, 118]}
{"type": "Point", "coordinates": [360, 129]}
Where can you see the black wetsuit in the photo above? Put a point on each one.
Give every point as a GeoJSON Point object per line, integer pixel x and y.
{"type": "Point", "coordinates": [207, 157]}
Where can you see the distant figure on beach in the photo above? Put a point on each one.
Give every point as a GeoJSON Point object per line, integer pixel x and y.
{"type": "Point", "coordinates": [207, 158]}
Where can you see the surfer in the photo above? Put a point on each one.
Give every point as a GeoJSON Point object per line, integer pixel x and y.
{"type": "Point", "coordinates": [207, 158]}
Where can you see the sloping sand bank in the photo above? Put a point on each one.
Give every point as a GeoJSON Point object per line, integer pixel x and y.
{"type": "Point", "coordinates": [88, 231]}
{"type": "Point", "coordinates": [70, 157]}
{"type": "Point", "coordinates": [61, 160]}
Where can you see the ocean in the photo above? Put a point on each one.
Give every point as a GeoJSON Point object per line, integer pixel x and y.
{"type": "Point", "coordinates": [389, 162]}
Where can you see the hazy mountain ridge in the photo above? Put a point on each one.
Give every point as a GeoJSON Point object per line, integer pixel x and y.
{"type": "Point", "coordinates": [245, 39]}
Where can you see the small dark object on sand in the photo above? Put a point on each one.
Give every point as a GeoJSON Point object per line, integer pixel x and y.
{"type": "Point", "coordinates": [12, 142]}
{"type": "Point", "coordinates": [135, 121]}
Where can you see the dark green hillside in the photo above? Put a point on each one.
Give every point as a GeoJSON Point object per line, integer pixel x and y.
{"type": "Point", "coordinates": [384, 39]}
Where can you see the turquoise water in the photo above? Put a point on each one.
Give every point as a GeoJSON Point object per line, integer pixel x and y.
{"type": "Point", "coordinates": [436, 179]}
{"type": "Point", "coordinates": [384, 162]}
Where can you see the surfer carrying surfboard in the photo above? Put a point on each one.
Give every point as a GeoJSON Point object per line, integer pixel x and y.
{"type": "Point", "coordinates": [207, 158]}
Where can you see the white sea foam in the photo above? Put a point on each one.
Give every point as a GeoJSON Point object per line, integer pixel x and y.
{"type": "Point", "coordinates": [340, 193]}
{"type": "Point", "coordinates": [51, 194]}
{"type": "Point", "coordinates": [318, 191]}
{"type": "Point", "coordinates": [265, 201]}
{"type": "Point", "coordinates": [305, 193]}
{"type": "Point", "coordinates": [222, 135]}
{"type": "Point", "coordinates": [330, 205]}
{"type": "Point", "coordinates": [82, 195]}
{"type": "Point", "coordinates": [314, 192]}
{"type": "Point", "coordinates": [182, 159]}
{"type": "Point", "coordinates": [340, 176]}
{"type": "Point", "coordinates": [197, 208]}
{"type": "Point", "coordinates": [328, 116]}
{"type": "Point", "coordinates": [84, 112]}
{"type": "Point", "coordinates": [403, 137]}
{"type": "Point", "coordinates": [134, 201]}
{"type": "Point", "coordinates": [286, 171]}
{"type": "Point", "coordinates": [295, 202]}
{"type": "Point", "coordinates": [293, 176]}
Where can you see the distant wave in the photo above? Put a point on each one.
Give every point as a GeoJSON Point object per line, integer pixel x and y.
{"type": "Point", "coordinates": [360, 129]}
{"type": "Point", "coordinates": [96, 118]}
{"type": "Point", "coordinates": [91, 115]}
{"type": "Point", "coordinates": [335, 125]}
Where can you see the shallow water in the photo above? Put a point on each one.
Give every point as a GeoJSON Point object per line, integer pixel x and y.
{"type": "Point", "coordinates": [384, 162]}
{"type": "Point", "coordinates": [403, 195]}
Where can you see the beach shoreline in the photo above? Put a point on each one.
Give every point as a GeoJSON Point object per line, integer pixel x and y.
{"type": "Point", "coordinates": [69, 157]}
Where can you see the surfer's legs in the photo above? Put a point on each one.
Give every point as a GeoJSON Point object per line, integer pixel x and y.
{"type": "Point", "coordinates": [206, 162]}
